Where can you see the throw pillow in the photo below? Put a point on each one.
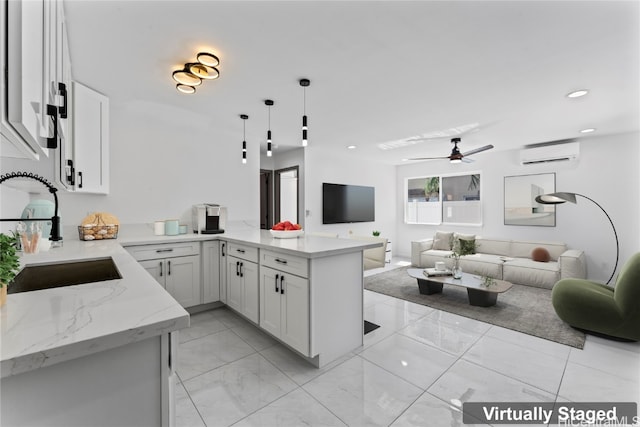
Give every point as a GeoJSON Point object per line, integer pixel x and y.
{"type": "Point", "coordinates": [442, 241]}
{"type": "Point", "coordinates": [540, 255]}
{"type": "Point", "coordinates": [466, 243]}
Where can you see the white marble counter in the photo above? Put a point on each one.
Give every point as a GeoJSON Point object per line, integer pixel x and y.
{"type": "Point", "coordinates": [46, 327]}
{"type": "Point", "coordinates": [306, 246]}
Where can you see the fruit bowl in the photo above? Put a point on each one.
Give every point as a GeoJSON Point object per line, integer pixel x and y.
{"type": "Point", "coordinates": [286, 234]}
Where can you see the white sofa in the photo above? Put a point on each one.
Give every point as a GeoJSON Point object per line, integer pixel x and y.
{"type": "Point", "coordinates": [507, 260]}
{"type": "Point", "coordinates": [374, 257]}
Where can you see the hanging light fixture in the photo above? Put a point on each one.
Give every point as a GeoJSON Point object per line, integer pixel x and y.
{"type": "Point", "coordinates": [304, 83]}
{"type": "Point", "coordinates": [269, 103]}
{"type": "Point", "coordinates": [244, 118]}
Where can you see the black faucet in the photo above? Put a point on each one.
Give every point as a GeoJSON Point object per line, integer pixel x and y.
{"type": "Point", "coordinates": [55, 219]}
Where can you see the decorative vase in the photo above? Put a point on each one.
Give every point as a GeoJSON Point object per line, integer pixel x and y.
{"type": "Point", "coordinates": [3, 294]}
{"type": "Point", "coordinates": [456, 270]}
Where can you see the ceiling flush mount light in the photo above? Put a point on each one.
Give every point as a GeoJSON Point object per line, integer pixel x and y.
{"type": "Point", "coordinates": [269, 103]}
{"type": "Point", "coordinates": [244, 118]}
{"type": "Point", "coordinates": [577, 93]}
{"type": "Point", "coordinates": [185, 88]}
{"type": "Point", "coordinates": [194, 72]}
{"type": "Point", "coordinates": [208, 59]}
{"type": "Point", "coordinates": [203, 71]}
{"type": "Point", "coordinates": [304, 83]}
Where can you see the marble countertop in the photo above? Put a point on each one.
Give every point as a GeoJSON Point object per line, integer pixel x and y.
{"type": "Point", "coordinates": [307, 246]}
{"type": "Point", "coordinates": [46, 327]}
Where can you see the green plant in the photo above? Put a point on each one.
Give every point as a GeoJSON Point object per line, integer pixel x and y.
{"type": "Point", "coordinates": [488, 281]}
{"type": "Point", "coordinates": [376, 233]}
{"type": "Point", "coordinates": [9, 263]}
{"type": "Point", "coordinates": [432, 186]}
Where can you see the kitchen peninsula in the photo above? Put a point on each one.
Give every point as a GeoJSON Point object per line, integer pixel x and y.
{"type": "Point", "coordinates": [73, 354]}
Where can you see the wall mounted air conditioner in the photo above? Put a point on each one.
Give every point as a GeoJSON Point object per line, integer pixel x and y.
{"type": "Point", "coordinates": [565, 152]}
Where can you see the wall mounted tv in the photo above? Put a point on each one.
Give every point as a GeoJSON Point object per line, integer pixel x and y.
{"type": "Point", "coordinates": [347, 203]}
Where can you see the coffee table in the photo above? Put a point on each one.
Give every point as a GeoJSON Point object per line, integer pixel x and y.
{"type": "Point", "coordinates": [479, 294]}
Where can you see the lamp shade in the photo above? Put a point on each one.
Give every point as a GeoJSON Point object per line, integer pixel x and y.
{"type": "Point", "coordinates": [556, 198]}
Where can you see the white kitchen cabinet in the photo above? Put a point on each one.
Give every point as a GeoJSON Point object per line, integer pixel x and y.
{"type": "Point", "coordinates": [211, 271]}
{"type": "Point", "coordinates": [90, 134]}
{"type": "Point", "coordinates": [175, 266]}
{"type": "Point", "coordinates": [28, 120]}
{"type": "Point", "coordinates": [284, 307]}
{"type": "Point", "coordinates": [242, 280]}
{"type": "Point", "coordinates": [223, 271]}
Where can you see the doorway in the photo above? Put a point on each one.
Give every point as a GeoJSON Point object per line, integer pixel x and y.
{"type": "Point", "coordinates": [286, 195]}
{"type": "Point", "coordinates": [266, 199]}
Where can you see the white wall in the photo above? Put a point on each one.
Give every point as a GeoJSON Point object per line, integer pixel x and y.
{"type": "Point", "coordinates": [348, 168]}
{"type": "Point", "coordinates": [163, 160]}
{"type": "Point", "coordinates": [607, 171]}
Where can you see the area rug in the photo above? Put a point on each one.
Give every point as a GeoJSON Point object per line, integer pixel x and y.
{"type": "Point", "coordinates": [522, 308]}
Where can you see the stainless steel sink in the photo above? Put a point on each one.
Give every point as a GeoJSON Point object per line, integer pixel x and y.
{"type": "Point", "coordinates": [46, 276]}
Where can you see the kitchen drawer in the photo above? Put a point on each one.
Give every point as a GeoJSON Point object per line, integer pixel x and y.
{"type": "Point", "coordinates": [248, 253]}
{"type": "Point", "coordinates": [284, 262]}
{"type": "Point", "coordinates": [165, 250]}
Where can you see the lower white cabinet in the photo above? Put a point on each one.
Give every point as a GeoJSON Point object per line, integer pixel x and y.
{"type": "Point", "coordinates": [211, 271]}
{"type": "Point", "coordinates": [284, 307]}
{"type": "Point", "coordinates": [178, 274]}
{"type": "Point", "coordinates": [242, 287]}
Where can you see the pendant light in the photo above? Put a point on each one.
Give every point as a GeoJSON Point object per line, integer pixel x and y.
{"type": "Point", "coordinates": [304, 83]}
{"type": "Point", "coordinates": [269, 103]}
{"type": "Point", "coordinates": [244, 118]}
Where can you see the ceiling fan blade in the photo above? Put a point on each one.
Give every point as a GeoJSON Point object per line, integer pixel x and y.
{"type": "Point", "coordinates": [478, 150]}
{"type": "Point", "coordinates": [467, 160]}
{"type": "Point", "coordinates": [430, 158]}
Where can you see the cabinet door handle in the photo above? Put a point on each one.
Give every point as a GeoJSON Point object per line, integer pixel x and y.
{"type": "Point", "coordinates": [80, 179]}
{"type": "Point", "coordinates": [160, 268]}
{"type": "Point", "coordinates": [164, 250]}
{"type": "Point", "coordinates": [52, 111]}
{"type": "Point", "coordinates": [237, 268]}
{"type": "Point", "coordinates": [240, 251]}
{"type": "Point", "coordinates": [223, 254]}
{"type": "Point", "coordinates": [62, 89]}
{"type": "Point", "coordinates": [282, 284]}
{"type": "Point", "coordinates": [242, 269]}
{"type": "Point", "coordinates": [168, 268]}
{"type": "Point", "coordinates": [277, 277]}
{"type": "Point", "coordinates": [281, 261]}
{"type": "Point", "coordinates": [71, 172]}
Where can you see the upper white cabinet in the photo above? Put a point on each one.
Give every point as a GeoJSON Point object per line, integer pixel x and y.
{"type": "Point", "coordinates": [90, 135]}
{"type": "Point", "coordinates": [30, 87]}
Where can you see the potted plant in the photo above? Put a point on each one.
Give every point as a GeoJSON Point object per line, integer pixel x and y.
{"type": "Point", "coordinates": [9, 263]}
{"type": "Point", "coordinates": [432, 188]}
{"type": "Point", "coordinates": [376, 233]}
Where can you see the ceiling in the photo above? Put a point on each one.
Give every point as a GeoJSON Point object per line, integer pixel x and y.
{"type": "Point", "coordinates": [380, 71]}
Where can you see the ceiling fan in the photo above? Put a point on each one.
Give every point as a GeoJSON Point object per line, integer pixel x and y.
{"type": "Point", "coordinates": [456, 156]}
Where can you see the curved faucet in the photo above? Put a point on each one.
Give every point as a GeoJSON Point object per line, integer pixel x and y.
{"type": "Point", "coordinates": [55, 220]}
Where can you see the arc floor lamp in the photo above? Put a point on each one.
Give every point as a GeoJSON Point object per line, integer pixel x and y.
{"type": "Point", "coordinates": [562, 197]}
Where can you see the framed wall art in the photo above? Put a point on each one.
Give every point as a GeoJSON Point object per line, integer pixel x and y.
{"type": "Point", "coordinates": [520, 206]}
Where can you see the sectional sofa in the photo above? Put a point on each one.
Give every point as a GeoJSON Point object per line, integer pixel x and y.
{"type": "Point", "coordinates": [509, 260]}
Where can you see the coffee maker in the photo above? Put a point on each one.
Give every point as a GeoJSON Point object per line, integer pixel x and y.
{"type": "Point", "coordinates": [209, 218]}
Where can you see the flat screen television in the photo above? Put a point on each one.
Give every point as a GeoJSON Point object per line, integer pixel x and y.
{"type": "Point", "coordinates": [347, 203]}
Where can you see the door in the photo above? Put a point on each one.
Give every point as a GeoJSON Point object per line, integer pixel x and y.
{"type": "Point", "coordinates": [155, 267]}
{"type": "Point", "coordinates": [266, 199]}
{"type": "Point", "coordinates": [286, 195]}
{"type": "Point", "coordinates": [211, 272]}
{"type": "Point", "coordinates": [270, 300]}
{"type": "Point", "coordinates": [295, 312]}
{"type": "Point", "coordinates": [251, 289]}
{"type": "Point", "coordinates": [223, 271]}
{"type": "Point", "coordinates": [183, 279]}
{"type": "Point", "coordinates": [234, 284]}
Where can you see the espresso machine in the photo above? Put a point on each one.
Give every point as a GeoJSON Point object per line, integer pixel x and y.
{"type": "Point", "coordinates": [209, 218]}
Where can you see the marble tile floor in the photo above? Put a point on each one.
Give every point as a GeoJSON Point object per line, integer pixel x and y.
{"type": "Point", "coordinates": [415, 370]}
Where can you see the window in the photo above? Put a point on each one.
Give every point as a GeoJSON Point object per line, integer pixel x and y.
{"type": "Point", "coordinates": [449, 199]}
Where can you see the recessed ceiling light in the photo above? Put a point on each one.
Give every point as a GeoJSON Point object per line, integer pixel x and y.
{"type": "Point", "coordinates": [577, 93]}
{"type": "Point", "coordinates": [588, 130]}
{"type": "Point", "coordinates": [352, 147]}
